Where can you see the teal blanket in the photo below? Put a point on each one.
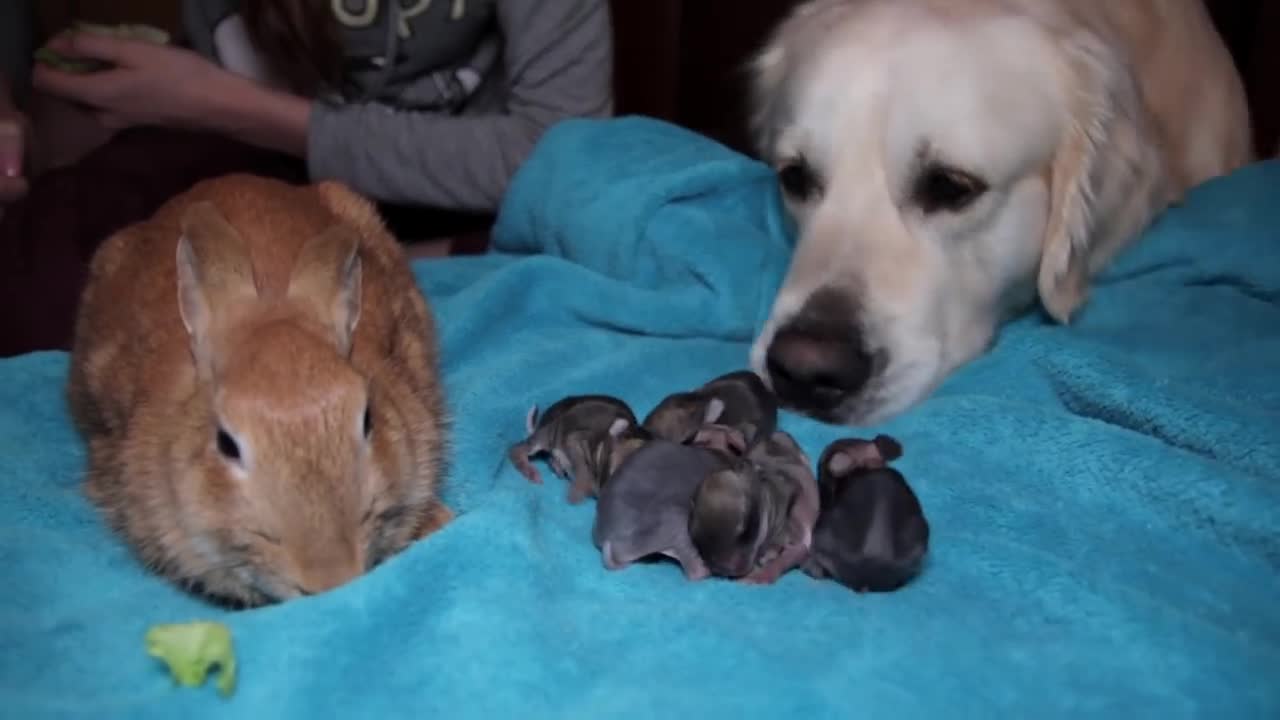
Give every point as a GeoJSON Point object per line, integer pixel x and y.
{"type": "Point", "coordinates": [1105, 497]}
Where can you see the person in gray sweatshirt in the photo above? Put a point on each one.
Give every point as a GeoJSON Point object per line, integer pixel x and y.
{"type": "Point", "coordinates": [422, 105]}
{"type": "Point", "coordinates": [415, 102]}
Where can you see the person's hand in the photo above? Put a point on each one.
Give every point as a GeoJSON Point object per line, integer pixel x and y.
{"type": "Point", "coordinates": [148, 84]}
{"type": "Point", "coordinates": [14, 131]}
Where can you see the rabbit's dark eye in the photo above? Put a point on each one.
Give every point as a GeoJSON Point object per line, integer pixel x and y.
{"type": "Point", "coordinates": [368, 422]}
{"type": "Point", "coordinates": [227, 446]}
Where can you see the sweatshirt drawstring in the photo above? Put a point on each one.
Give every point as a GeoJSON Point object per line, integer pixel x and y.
{"type": "Point", "coordinates": [392, 47]}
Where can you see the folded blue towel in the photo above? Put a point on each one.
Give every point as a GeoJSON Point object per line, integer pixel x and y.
{"type": "Point", "coordinates": [1105, 497]}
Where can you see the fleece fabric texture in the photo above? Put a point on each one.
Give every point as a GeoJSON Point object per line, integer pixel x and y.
{"type": "Point", "coordinates": [1104, 497]}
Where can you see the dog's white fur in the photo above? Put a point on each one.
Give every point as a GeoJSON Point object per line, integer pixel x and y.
{"type": "Point", "coordinates": [1085, 118]}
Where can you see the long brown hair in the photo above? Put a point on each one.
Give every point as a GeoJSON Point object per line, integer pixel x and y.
{"type": "Point", "coordinates": [301, 41]}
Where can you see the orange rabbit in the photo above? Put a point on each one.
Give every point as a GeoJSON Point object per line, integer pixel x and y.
{"type": "Point", "coordinates": [255, 374]}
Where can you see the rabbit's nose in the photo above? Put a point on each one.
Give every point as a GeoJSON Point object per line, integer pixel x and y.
{"type": "Point", "coordinates": [327, 578]}
{"type": "Point", "coordinates": [329, 570]}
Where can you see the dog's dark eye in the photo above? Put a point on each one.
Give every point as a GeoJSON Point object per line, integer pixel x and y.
{"type": "Point", "coordinates": [368, 422]}
{"type": "Point", "coordinates": [227, 446]}
{"type": "Point", "coordinates": [944, 188]}
{"type": "Point", "coordinates": [798, 179]}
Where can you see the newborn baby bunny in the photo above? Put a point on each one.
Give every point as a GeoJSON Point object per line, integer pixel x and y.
{"type": "Point", "coordinates": [581, 434]}
{"type": "Point", "coordinates": [723, 438]}
{"type": "Point", "coordinates": [644, 509]}
{"type": "Point", "coordinates": [755, 521]}
{"type": "Point", "coordinates": [872, 534]}
{"type": "Point", "coordinates": [254, 372]}
{"type": "Point", "coordinates": [611, 454]}
{"type": "Point", "coordinates": [738, 400]}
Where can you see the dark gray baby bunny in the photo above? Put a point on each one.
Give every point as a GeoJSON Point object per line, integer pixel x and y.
{"type": "Point", "coordinates": [643, 510]}
{"type": "Point", "coordinates": [872, 534]}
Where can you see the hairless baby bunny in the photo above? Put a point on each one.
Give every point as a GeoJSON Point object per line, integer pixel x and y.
{"type": "Point", "coordinates": [581, 434]}
{"type": "Point", "coordinates": [738, 400]}
{"type": "Point", "coordinates": [872, 534]}
{"type": "Point", "coordinates": [755, 522]}
{"type": "Point", "coordinates": [643, 510]}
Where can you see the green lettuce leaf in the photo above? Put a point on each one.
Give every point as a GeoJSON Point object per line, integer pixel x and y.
{"type": "Point", "coordinates": [144, 33]}
{"type": "Point", "coordinates": [192, 650]}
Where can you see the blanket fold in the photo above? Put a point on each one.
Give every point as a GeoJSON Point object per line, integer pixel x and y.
{"type": "Point", "coordinates": [1105, 497]}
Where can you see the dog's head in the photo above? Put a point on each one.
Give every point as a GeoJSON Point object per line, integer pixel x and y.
{"type": "Point", "coordinates": [946, 162]}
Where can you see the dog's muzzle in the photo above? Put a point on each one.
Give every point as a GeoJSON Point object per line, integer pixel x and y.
{"type": "Point", "coordinates": [818, 360]}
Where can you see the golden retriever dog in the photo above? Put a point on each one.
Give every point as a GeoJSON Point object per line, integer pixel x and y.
{"type": "Point", "coordinates": [951, 162]}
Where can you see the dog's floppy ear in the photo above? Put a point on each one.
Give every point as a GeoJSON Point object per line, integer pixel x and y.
{"type": "Point", "coordinates": [767, 70]}
{"type": "Point", "coordinates": [1107, 177]}
{"type": "Point", "coordinates": [769, 67]}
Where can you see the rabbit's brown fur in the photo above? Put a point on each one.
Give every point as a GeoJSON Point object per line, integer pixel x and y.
{"type": "Point", "coordinates": [267, 279]}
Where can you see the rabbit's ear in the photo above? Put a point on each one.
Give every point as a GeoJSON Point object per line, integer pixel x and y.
{"type": "Point", "coordinates": [214, 273]}
{"type": "Point", "coordinates": [326, 277]}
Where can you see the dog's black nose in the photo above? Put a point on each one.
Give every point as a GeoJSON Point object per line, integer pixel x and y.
{"type": "Point", "coordinates": [817, 369]}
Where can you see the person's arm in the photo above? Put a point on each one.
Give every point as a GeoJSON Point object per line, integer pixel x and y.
{"type": "Point", "coordinates": [175, 87]}
{"type": "Point", "coordinates": [13, 141]}
{"type": "Point", "coordinates": [15, 39]}
{"type": "Point", "coordinates": [261, 116]}
{"type": "Point", "coordinates": [558, 60]}
{"type": "Point", "coordinates": [251, 111]}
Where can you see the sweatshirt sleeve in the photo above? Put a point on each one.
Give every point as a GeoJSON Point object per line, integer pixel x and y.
{"type": "Point", "coordinates": [197, 28]}
{"type": "Point", "coordinates": [558, 59]}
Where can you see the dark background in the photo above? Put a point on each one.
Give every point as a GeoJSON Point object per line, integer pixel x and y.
{"type": "Point", "coordinates": [681, 60]}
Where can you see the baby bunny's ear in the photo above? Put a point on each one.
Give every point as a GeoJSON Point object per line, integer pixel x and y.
{"type": "Point", "coordinates": [327, 278]}
{"type": "Point", "coordinates": [215, 273]}
{"type": "Point", "coordinates": [843, 457]}
{"type": "Point", "coordinates": [618, 426]}
{"type": "Point", "coordinates": [889, 447]}
{"type": "Point", "coordinates": [715, 407]}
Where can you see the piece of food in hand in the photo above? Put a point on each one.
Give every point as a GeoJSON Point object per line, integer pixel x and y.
{"type": "Point", "coordinates": [192, 650]}
{"type": "Point", "coordinates": [124, 31]}
{"type": "Point", "coordinates": [127, 31]}
{"type": "Point", "coordinates": [66, 63]}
